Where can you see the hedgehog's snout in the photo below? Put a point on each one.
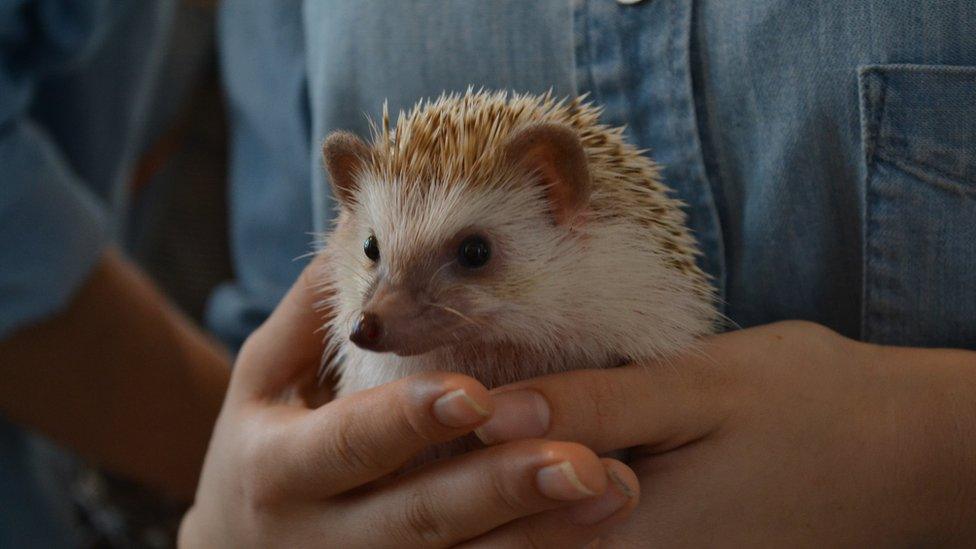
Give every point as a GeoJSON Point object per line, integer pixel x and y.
{"type": "Point", "coordinates": [367, 332]}
{"type": "Point", "coordinates": [400, 320]}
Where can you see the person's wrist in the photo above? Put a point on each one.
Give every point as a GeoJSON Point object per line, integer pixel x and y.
{"type": "Point", "coordinates": [938, 443]}
{"type": "Point", "coordinates": [956, 465]}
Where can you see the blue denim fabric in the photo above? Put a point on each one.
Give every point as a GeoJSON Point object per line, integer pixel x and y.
{"type": "Point", "coordinates": [263, 64]}
{"type": "Point", "coordinates": [919, 227]}
{"type": "Point", "coordinates": [818, 221]}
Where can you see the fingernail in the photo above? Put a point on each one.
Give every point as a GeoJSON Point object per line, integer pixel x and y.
{"type": "Point", "coordinates": [561, 482]}
{"type": "Point", "coordinates": [618, 493]}
{"type": "Point", "coordinates": [458, 409]}
{"type": "Point", "coordinates": [518, 414]}
{"type": "Point", "coordinates": [620, 484]}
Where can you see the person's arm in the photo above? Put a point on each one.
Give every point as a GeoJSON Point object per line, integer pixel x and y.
{"type": "Point", "coordinates": [782, 435]}
{"type": "Point", "coordinates": [120, 377]}
{"type": "Point", "coordinates": [90, 353]}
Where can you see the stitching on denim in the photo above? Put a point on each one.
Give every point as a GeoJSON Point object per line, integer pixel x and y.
{"type": "Point", "coordinates": [873, 105]}
{"type": "Point", "coordinates": [672, 66]}
{"type": "Point", "coordinates": [585, 80]}
{"type": "Point", "coordinates": [707, 199]}
{"type": "Point", "coordinates": [906, 145]}
{"type": "Point", "coordinates": [866, 138]}
{"type": "Point", "coordinates": [928, 174]}
{"type": "Point", "coordinates": [873, 109]}
{"type": "Point", "coordinates": [922, 68]}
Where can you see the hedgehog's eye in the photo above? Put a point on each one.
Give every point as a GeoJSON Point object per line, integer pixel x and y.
{"type": "Point", "coordinates": [474, 252]}
{"type": "Point", "coordinates": [372, 248]}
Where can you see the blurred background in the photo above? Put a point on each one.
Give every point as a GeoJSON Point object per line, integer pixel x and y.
{"type": "Point", "coordinates": [177, 231]}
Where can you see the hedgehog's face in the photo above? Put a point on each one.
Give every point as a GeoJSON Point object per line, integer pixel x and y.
{"type": "Point", "coordinates": [420, 265]}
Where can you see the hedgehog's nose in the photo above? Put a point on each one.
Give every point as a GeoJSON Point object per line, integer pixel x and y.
{"type": "Point", "coordinates": [367, 331]}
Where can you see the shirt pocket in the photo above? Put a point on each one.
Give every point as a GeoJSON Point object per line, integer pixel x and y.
{"type": "Point", "coordinates": [918, 131]}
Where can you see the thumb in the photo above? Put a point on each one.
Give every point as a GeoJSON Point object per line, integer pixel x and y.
{"type": "Point", "coordinates": [659, 406]}
{"type": "Point", "coordinates": [290, 343]}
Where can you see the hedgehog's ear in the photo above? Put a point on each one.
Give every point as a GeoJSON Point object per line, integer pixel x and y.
{"type": "Point", "coordinates": [344, 154]}
{"type": "Point", "coordinates": [554, 154]}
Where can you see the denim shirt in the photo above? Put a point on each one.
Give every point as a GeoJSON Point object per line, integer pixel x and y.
{"type": "Point", "coordinates": [826, 150]}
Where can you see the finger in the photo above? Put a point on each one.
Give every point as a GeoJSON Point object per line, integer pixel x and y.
{"type": "Point", "coordinates": [290, 343]}
{"type": "Point", "coordinates": [366, 435]}
{"type": "Point", "coordinates": [458, 499]}
{"type": "Point", "coordinates": [574, 526]}
{"type": "Point", "coordinates": [661, 406]}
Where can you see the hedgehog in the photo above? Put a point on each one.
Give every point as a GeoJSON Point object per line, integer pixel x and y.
{"type": "Point", "coordinates": [503, 236]}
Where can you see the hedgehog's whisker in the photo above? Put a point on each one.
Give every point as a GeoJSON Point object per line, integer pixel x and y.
{"type": "Point", "coordinates": [437, 272]}
{"type": "Point", "coordinates": [455, 312]}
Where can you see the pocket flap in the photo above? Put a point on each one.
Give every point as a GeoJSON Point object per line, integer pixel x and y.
{"type": "Point", "coordinates": [921, 114]}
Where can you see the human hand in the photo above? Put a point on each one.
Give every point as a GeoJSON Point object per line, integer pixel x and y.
{"type": "Point", "coordinates": [783, 435]}
{"type": "Point", "coordinates": [281, 472]}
